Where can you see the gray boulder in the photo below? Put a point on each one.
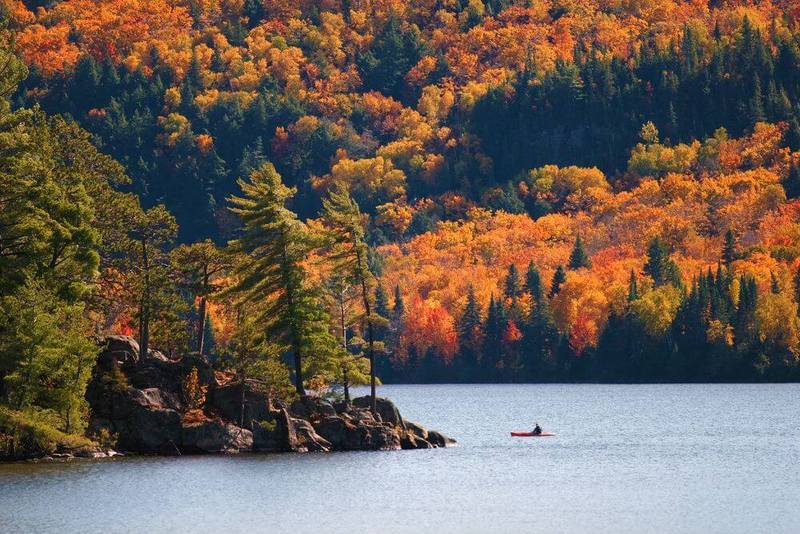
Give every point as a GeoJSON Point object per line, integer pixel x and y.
{"type": "Point", "coordinates": [226, 401]}
{"type": "Point", "coordinates": [307, 438]}
{"type": "Point", "coordinates": [310, 407]}
{"type": "Point", "coordinates": [385, 409]}
{"type": "Point", "coordinates": [275, 433]}
{"type": "Point", "coordinates": [215, 436]}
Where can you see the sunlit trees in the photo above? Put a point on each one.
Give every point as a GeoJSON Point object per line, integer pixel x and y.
{"type": "Point", "coordinates": [201, 266]}
{"type": "Point", "coordinates": [274, 246]}
{"type": "Point", "coordinates": [342, 218]}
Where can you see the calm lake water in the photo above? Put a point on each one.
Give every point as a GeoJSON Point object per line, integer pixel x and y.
{"type": "Point", "coordinates": [626, 458]}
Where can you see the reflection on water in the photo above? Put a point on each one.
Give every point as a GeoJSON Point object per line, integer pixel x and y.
{"type": "Point", "coordinates": [687, 458]}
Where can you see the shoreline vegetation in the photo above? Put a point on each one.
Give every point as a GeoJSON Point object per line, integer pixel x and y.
{"type": "Point", "coordinates": [156, 405]}
{"type": "Point", "coordinates": [310, 199]}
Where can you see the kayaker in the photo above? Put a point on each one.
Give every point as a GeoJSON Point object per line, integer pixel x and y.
{"type": "Point", "coordinates": [537, 430]}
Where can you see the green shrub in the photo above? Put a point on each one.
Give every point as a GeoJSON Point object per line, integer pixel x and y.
{"type": "Point", "coordinates": [31, 433]}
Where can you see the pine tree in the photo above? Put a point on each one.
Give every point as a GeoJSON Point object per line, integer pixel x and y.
{"type": "Point", "coordinates": [152, 231]}
{"type": "Point", "coordinates": [775, 285]}
{"type": "Point", "coordinates": [660, 266]}
{"type": "Point", "coordinates": [396, 320]}
{"type": "Point", "coordinates": [511, 289]}
{"type": "Point", "coordinates": [633, 287]}
{"type": "Point", "coordinates": [200, 264]}
{"type": "Point", "coordinates": [533, 282]}
{"type": "Point", "coordinates": [744, 327]}
{"type": "Point", "coordinates": [493, 329]}
{"type": "Point", "coordinates": [382, 310]}
{"type": "Point", "coordinates": [540, 342]}
{"type": "Point", "coordinates": [578, 259]}
{"type": "Point", "coordinates": [792, 182]}
{"type": "Point", "coordinates": [343, 222]}
{"type": "Point", "coordinates": [559, 277]}
{"type": "Point", "coordinates": [273, 248]}
{"type": "Point", "coordinates": [352, 369]}
{"type": "Point", "coordinates": [469, 331]}
{"type": "Point", "coordinates": [729, 253]}
{"type": "Point", "coordinates": [393, 52]}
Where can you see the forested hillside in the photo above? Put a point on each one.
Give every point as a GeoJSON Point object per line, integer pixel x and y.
{"type": "Point", "coordinates": [481, 190]}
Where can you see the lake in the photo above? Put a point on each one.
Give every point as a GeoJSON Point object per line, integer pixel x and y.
{"type": "Point", "coordinates": [625, 458]}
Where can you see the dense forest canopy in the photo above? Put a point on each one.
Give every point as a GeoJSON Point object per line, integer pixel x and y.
{"type": "Point", "coordinates": [477, 190]}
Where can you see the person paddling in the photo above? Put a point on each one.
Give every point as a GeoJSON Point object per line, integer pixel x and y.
{"type": "Point", "coordinates": [537, 430]}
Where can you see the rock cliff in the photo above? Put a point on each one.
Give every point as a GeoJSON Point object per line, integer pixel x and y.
{"type": "Point", "coordinates": [141, 401]}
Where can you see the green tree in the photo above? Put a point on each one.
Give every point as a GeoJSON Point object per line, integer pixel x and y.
{"type": "Point", "coordinates": [200, 266]}
{"type": "Point", "coordinates": [578, 259]}
{"type": "Point", "coordinates": [633, 287]}
{"type": "Point", "coordinates": [48, 357]}
{"type": "Point", "coordinates": [392, 54]}
{"type": "Point", "coordinates": [342, 296]}
{"type": "Point", "coordinates": [533, 282]}
{"type": "Point", "coordinates": [729, 253]}
{"type": "Point", "coordinates": [344, 224]}
{"type": "Point", "coordinates": [469, 331]}
{"type": "Point", "coordinates": [382, 310]}
{"type": "Point", "coordinates": [512, 283]}
{"type": "Point", "coordinates": [660, 266]}
{"type": "Point", "coordinates": [273, 247]}
{"type": "Point", "coordinates": [559, 277]}
{"type": "Point", "coordinates": [151, 233]}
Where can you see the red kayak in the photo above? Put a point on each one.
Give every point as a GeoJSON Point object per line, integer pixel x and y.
{"type": "Point", "coordinates": [528, 434]}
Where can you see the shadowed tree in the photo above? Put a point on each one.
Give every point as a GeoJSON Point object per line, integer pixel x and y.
{"type": "Point", "coordinates": [342, 219]}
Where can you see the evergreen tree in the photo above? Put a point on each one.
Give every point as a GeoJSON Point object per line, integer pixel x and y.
{"type": "Point", "coordinates": [493, 329]}
{"type": "Point", "coordinates": [559, 277]}
{"type": "Point", "coordinates": [533, 282]}
{"type": "Point", "coordinates": [342, 219]}
{"type": "Point", "coordinates": [200, 264]}
{"type": "Point", "coordinates": [540, 342]}
{"type": "Point", "coordinates": [745, 321]}
{"type": "Point", "coordinates": [660, 266]}
{"type": "Point", "coordinates": [273, 248]}
{"type": "Point", "coordinates": [578, 259]}
{"type": "Point", "coordinates": [352, 369]}
{"type": "Point", "coordinates": [729, 253]}
{"type": "Point", "coordinates": [381, 310]}
{"type": "Point", "coordinates": [469, 332]}
{"type": "Point", "coordinates": [152, 232]}
{"type": "Point", "coordinates": [392, 54]}
{"type": "Point", "coordinates": [512, 285]}
{"type": "Point", "coordinates": [775, 285]}
{"type": "Point", "coordinates": [633, 287]}
{"type": "Point", "coordinates": [792, 182]}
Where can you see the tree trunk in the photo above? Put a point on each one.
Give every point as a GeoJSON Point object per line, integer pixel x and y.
{"type": "Point", "coordinates": [296, 342]}
{"type": "Point", "coordinates": [201, 333]}
{"type": "Point", "coordinates": [26, 383]}
{"type": "Point", "coordinates": [201, 328]}
{"type": "Point", "coordinates": [370, 336]}
{"type": "Point", "coordinates": [241, 401]}
{"type": "Point", "coordinates": [345, 377]}
{"type": "Point", "coordinates": [298, 370]}
{"type": "Point", "coordinates": [144, 306]}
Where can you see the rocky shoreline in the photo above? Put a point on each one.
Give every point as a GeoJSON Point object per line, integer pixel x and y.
{"type": "Point", "coordinates": [139, 405]}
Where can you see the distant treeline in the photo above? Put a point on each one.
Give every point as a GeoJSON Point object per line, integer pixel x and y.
{"type": "Point", "coordinates": [586, 111]}
{"type": "Point", "coordinates": [717, 329]}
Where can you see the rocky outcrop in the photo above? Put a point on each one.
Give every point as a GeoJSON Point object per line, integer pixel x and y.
{"type": "Point", "coordinates": [215, 436]}
{"type": "Point", "coordinates": [385, 408]}
{"type": "Point", "coordinates": [139, 399]}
